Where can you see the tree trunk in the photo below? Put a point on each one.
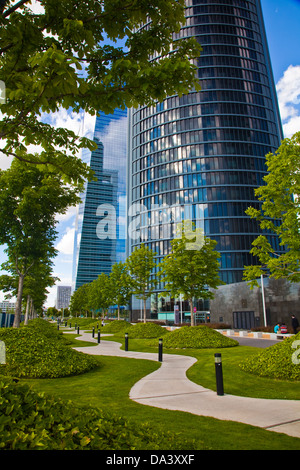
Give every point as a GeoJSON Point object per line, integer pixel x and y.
{"type": "Point", "coordinates": [27, 310]}
{"type": "Point", "coordinates": [118, 312]}
{"type": "Point", "coordinates": [145, 300]}
{"type": "Point", "coordinates": [31, 309]}
{"type": "Point", "coordinates": [192, 312]}
{"type": "Point", "coordinates": [18, 310]}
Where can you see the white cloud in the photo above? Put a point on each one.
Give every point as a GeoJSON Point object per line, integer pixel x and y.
{"type": "Point", "coordinates": [65, 245]}
{"type": "Point", "coordinates": [70, 214]}
{"type": "Point", "coordinates": [288, 91]}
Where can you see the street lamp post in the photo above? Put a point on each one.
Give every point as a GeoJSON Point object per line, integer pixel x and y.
{"type": "Point", "coordinates": [219, 374]}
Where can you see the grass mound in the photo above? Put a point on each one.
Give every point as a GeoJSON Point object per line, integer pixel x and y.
{"type": "Point", "coordinates": [33, 421]}
{"type": "Point", "coordinates": [147, 330]}
{"type": "Point", "coordinates": [197, 337]}
{"type": "Point", "coordinates": [280, 361]}
{"type": "Point", "coordinates": [39, 351]}
{"type": "Point", "coordinates": [116, 326]}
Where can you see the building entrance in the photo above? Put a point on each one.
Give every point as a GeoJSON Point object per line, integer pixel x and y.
{"type": "Point", "coordinates": [244, 320]}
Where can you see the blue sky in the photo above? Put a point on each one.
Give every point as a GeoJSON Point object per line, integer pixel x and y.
{"type": "Point", "coordinates": [282, 21]}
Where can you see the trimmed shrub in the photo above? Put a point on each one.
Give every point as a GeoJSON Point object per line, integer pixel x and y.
{"type": "Point", "coordinates": [115, 326]}
{"type": "Point", "coordinates": [33, 421]}
{"type": "Point", "coordinates": [35, 352]}
{"type": "Point", "coordinates": [197, 337]}
{"type": "Point", "coordinates": [280, 361]}
{"type": "Point", "coordinates": [147, 330]}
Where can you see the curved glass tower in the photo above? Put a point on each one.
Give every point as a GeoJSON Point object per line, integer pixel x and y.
{"type": "Point", "coordinates": [203, 154]}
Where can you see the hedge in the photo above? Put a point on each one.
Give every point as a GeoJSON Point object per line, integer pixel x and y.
{"type": "Point", "coordinates": [39, 351]}
{"type": "Point", "coordinates": [197, 337]}
{"type": "Point", "coordinates": [147, 330]}
{"type": "Point", "coordinates": [280, 361]}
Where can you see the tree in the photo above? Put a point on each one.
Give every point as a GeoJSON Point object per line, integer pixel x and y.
{"type": "Point", "coordinates": [29, 203]}
{"type": "Point", "coordinates": [34, 291]}
{"type": "Point", "coordinates": [191, 268]}
{"type": "Point", "coordinates": [35, 287]}
{"type": "Point", "coordinates": [67, 54]}
{"type": "Point", "coordinates": [121, 284]}
{"type": "Point", "coordinates": [141, 264]}
{"type": "Point", "coordinates": [279, 214]}
{"type": "Point", "coordinates": [79, 299]}
{"type": "Point", "coordinates": [52, 312]}
{"type": "Point", "coordinates": [100, 293]}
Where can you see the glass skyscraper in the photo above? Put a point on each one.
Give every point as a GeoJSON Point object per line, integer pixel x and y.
{"type": "Point", "coordinates": [101, 217]}
{"type": "Point", "coordinates": [203, 154]}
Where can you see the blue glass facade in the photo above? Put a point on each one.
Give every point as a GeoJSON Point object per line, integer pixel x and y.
{"type": "Point", "coordinates": [203, 154]}
{"type": "Point", "coordinates": [100, 223]}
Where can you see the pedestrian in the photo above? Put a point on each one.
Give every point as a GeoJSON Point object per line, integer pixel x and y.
{"type": "Point", "coordinates": [277, 328]}
{"type": "Point", "coordinates": [295, 324]}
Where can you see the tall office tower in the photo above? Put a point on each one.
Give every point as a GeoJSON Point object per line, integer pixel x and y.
{"type": "Point", "coordinates": [100, 224]}
{"type": "Point", "coordinates": [63, 296]}
{"type": "Point", "coordinates": [203, 154]}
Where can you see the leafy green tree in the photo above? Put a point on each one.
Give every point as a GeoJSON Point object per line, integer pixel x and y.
{"type": "Point", "coordinates": [52, 311]}
{"type": "Point", "coordinates": [279, 214]}
{"type": "Point", "coordinates": [100, 293]}
{"type": "Point", "coordinates": [79, 299]}
{"type": "Point", "coordinates": [121, 284]}
{"type": "Point", "coordinates": [141, 264]}
{"type": "Point", "coordinates": [29, 203]}
{"type": "Point", "coordinates": [68, 55]}
{"type": "Point", "coordinates": [35, 287]}
{"type": "Point", "coordinates": [191, 269]}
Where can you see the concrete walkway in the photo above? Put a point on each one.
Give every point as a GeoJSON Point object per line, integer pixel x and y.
{"type": "Point", "coordinates": [169, 388]}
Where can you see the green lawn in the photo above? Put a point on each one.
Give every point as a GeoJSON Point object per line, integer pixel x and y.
{"type": "Point", "coordinates": [108, 386]}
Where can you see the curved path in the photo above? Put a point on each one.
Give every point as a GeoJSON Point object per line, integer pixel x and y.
{"type": "Point", "coordinates": [169, 388]}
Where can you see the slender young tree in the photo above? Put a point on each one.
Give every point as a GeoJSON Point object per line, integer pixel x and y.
{"type": "Point", "coordinates": [279, 214]}
{"type": "Point", "coordinates": [191, 268]}
{"type": "Point", "coordinates": [141, 264]}
{"type": "Point", "coordinates": [79, 300]}
{"type": "Point", "coordinates": [29, 203]}
{"type": "Point", "coordinates": [100, 294]}
{"type": "Point", "coordinates": [121, 284]}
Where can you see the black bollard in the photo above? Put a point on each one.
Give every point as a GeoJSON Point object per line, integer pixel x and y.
{"type": "Point", "coordinates": [219, 374]}
{"type": "Point", "coordinates": [78, 330]}
{"type": "Point", "coordinates": [70, 325]}
{"type": "Point", "coordinates": [93, 332]}
{"type": "Point", "coordinates": [98, 336]}
{"type": "Point", "coordinates": [160, 349]}
{"type": "Point", "coordinates": [126, 341]}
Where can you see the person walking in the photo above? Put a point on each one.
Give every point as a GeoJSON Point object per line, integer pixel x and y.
{"type": "Point", "coordinates": [295, 324]}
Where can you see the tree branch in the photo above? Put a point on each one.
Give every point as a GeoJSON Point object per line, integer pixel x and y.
{"type": "Point", "coordinates": [14, 8]}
